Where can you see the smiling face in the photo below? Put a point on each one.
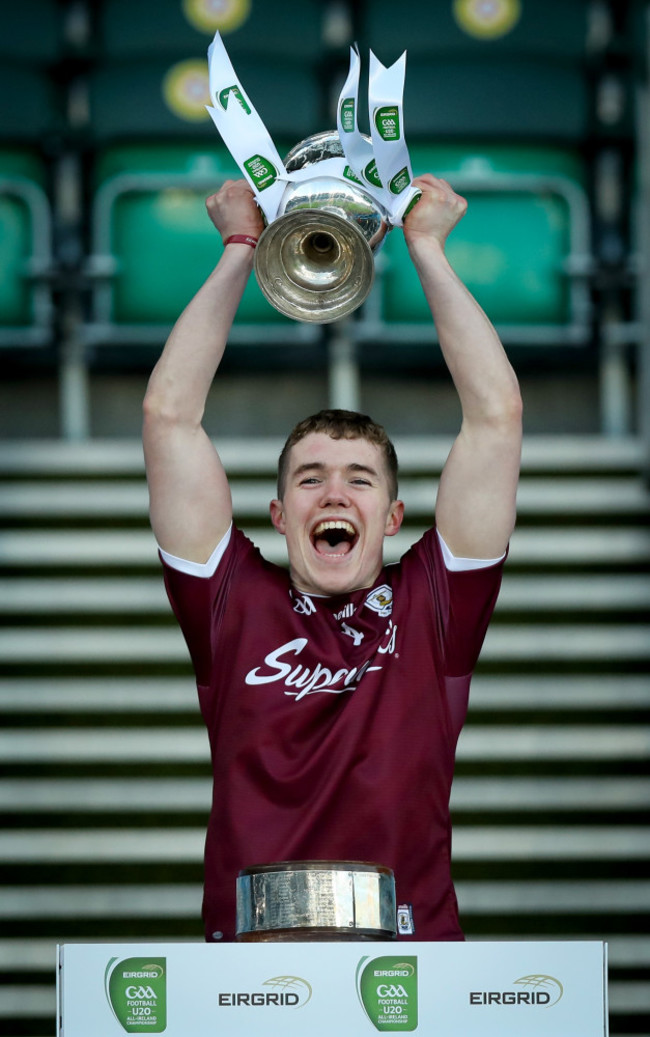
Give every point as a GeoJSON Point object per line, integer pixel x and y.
{"type": "Point", "coordinates": [335, 512]}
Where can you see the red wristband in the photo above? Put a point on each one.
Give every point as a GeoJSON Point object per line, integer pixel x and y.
{"type": "Point", "coordinates": [240, 239]}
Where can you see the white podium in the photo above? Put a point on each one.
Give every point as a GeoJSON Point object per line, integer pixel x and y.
{"type": "Point", "coordinates": [347, 989]}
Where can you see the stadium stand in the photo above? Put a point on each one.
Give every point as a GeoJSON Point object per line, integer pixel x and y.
{"type": "Point", "coordinates": [104, 783]}
{"type": "Point", "coordinates": [518, 195]}
{"type": "Point", "coordinates": [156, 154]}
{"type": "Point", "coordinates": [502, 110]}
{"type": "Point", "coordinates": [29, 116]}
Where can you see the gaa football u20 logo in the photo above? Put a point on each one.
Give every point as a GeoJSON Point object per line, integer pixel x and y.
{"type": "Point", "coordinates": [261, 170]}
{"type": "Point", "coordinates": [136, 989]}
{"type": "Point", "coordinates": [388, 990]}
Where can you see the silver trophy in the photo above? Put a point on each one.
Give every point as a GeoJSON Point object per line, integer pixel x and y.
{"type": "Point", "coordinates": [316, 901]}
{"type": "Point", "coordinates": [315, 261]}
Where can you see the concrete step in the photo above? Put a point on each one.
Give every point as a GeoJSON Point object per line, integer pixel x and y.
{"type": "Point", "coordinates": [60, 796]}
{"type": "Point", "coordinates": [605, 643]}
{"type": "Point", "coordinates": [69, 597]}
{"type": "Point", "coordinates": [559, 795]}
{"type": "Point", "coordinates": [27, 1002]}
{"type": "Point", "coordinates": [540, 694]}
{"type": "Point", "coordinates": [622, 693]}
{"type": "Point", "coordinates": [112, 457]}
{"type": "Point", "coordinates": [151, 901]}
{"type": "Point", "coordinates": [533, 643]}
{"type": "Point", "coordinates": [478, 743]}
{"type": "Point", "coordinates": [585, 593]}
{"type": "Point", "coordinates": [514, 843]}
{"type": "Point", "coordinates": [159, 695]}
{"type": "Point", "coordinates": [564, 545]}
{"type": "Point", "coordinates": [183, 901]}
{"type": "Point", "coordinates": [100, 795]}
{"type": "Point", "coordinates": [90, 499]}
{"type": "Point", "coordinates": [64, 596]}
{"type": "Point", "coordinates": [39, 954]}
{"type": "Point", "coordinates": [578, 897]}
{"type": "Point", "coordinates": [573, 492]}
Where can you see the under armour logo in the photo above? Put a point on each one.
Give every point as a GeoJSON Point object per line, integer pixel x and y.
{"type": "Point", "coordinates": [351, 632]}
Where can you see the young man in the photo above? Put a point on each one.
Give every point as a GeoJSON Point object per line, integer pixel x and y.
{"type": "Point", "coordinates": [334, 692]}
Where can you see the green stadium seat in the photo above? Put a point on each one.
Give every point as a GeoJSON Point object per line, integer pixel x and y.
{"type": "Point", "coordinates": [31, 108]}
{"type": "Point", "coordinates": [489, 72]}
{"type": "Point", "coordinates": [32, 30]}
{"type": "Point", "coordinates": [558, 29]}
{"type": "Point", "coordinates": [157, 154]}
{"type": "Point", "coordinates": [519, 99]}
{"type": "Point", "coordinates": [520, 249]}
{"type": "Point", "coordinates": [137, 28]}
{"type": "Point", "coordinates": [31, 40]}
{"type": "Point", "coordinates": [151, 99]}
{"type": "Point", "coordinates": [153, 244]}
{"type": "Point", "coordinates": [25, 250]}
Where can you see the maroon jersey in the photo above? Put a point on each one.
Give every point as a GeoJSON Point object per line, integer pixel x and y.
{"type": "Point", "coordinates": [333, 721]}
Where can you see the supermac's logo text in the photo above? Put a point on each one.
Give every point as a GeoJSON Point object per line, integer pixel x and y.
{"type": "Point", "coordinates": [279, 666]}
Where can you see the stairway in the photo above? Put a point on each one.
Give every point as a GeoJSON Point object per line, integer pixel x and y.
{"type": "Point", "coordinates": [104, 783]}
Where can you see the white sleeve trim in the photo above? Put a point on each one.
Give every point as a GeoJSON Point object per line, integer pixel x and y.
{"type": "Point", "coordinates": [202, 569]}
{"type": "Point", "coordinates": [459, 565]}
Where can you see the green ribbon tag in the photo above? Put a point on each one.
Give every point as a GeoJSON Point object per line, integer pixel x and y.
{"type": "Point", "coordinates": [262, 171]}
{"type": "Point", "coordinates": [348, 119]}
{"type": "Point", "coordinates": [387, 122]}
{"type": "Point", "coordinates": [224, 97]}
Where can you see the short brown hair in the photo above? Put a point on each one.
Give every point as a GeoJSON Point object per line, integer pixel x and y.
{"type": "Point", "coordinates": [341, 424]}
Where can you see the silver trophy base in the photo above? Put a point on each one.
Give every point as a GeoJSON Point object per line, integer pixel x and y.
{"type": "Point", "coordinates": [316, 901]}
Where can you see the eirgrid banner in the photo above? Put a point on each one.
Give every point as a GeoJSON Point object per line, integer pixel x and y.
{"type": "Point", "coordinates": [345, 989]}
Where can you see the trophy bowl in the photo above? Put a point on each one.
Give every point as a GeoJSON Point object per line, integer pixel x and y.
{"type": "Point", "coordinates": [316, 901]}
{"type": "Point", "coordinates": [315, 261]}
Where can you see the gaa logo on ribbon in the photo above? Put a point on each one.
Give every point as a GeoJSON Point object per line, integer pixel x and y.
{"type": "Point", "coordinates": [234, 91]}
{"type": "Point", "coordinates": [262, 171]}
{"type": "Point", "coordinates": [387, 122]}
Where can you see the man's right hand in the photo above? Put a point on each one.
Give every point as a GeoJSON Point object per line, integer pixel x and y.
{"type": "Point", "coordinates": [233, 210]}
{"type": "Point", "coordinates": [436, 213]}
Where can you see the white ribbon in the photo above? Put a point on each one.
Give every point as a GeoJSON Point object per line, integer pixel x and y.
{"type": "Point", "coordinates": [243, 132]}
{"type": "Point", "coordinates": [386, 112]}
{"type": "Point", "coordinates": [382, 167]}
{"type": "Point", "coordinates": [357, 149]}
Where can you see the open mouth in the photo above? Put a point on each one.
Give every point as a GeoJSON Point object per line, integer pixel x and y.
{"type": "Point", "coordinates": [334, 537]}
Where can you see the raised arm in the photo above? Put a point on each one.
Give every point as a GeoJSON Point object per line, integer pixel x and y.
{"type": "Point", "coordinates": [475, 508]}
{"type": "Point", "coordinates": [189, 496]}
